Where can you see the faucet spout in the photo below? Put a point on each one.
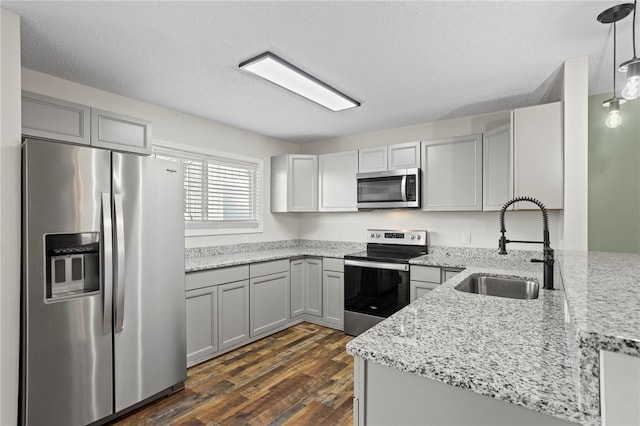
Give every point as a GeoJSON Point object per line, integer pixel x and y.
{"type": "Point", "coordinates": [548, 254]}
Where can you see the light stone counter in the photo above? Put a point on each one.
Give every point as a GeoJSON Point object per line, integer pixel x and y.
{"type": "Point", "coordinates": [519, 351]}
{"type": "Point", "coordinates": [242, 254]}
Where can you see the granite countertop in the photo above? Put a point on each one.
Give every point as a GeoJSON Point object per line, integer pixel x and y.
{"type": "Point", "coordinates": [243, 254]}
{"type": "Point", "coordinates": [519, 351]}
{"type": "Point", "coordinates": [200, 263]}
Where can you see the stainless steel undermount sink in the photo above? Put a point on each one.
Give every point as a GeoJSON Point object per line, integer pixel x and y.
{"type": "Point", "coordinates": [513, 288]}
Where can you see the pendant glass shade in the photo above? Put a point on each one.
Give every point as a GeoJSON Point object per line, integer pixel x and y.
{"type": "Point", "coordinates": [631, 89]}
{"type": "Point", "coordinates": [614, 119]}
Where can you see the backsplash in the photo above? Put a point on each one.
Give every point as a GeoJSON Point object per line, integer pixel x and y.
{"type": "Point", "coordinates": [350, 246]}
{"type": "Point", "coordinates": [475, 252]}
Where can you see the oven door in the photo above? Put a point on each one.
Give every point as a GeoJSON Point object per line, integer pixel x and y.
{"type": "Point", "coordinates": [375, 288]}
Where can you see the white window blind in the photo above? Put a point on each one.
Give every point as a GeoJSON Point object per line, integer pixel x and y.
{"type": "Point", "coordinates": [218, 192]}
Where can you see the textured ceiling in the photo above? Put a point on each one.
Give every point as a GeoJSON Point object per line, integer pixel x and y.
{"type": "Point", "coordinates": [407, 62]}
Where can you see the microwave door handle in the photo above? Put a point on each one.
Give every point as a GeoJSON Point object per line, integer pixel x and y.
{"type": "Point", "coordinates": [403, 188]}
{"type": "Point", "coordinates": [107, 263]}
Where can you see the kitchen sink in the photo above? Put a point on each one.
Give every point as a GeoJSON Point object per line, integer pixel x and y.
{"type": "Point", "coordinates": [513, 288]}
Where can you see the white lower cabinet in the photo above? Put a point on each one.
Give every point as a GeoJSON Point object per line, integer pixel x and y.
{"type": "Point", "coordinates": [306, 286]}
{"type": "Point", "coordinates": [202, 323]}
{"type": "Point", "coordinates": [296, 282]}
{"type": "Point", "coordinates": [333, 292]}
{"type": "Point", "coordinates": [269, 296]}
{"type": "Point", "coordinates": [417, 400]}
{"type": "Point", "coordinates": [423, 280]}
{"type": "Point", "coordinates": [333, 285]}
{"type": "Point", "coordinates": [230, 307]}
{"type": "Point", "coordinates": [233, 311]}
{"type": "Point", "coordinates": [217, 311]}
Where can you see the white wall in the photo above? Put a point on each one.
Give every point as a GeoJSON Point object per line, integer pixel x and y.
{"type": "Point", "coordinates": [9, 216]}
{"type": "Point", "coordinates": [576, 141]}
{"type": "Point", "coordinates": [177, 127]}
{"type": "Point", "coordinates": [445, 228]}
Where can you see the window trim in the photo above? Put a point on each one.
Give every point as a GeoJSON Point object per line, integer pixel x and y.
{"type": "Point", "coordinates": [194, 231]}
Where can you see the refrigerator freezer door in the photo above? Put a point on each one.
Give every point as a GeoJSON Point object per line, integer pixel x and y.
{"type": "Point", "coordinates": [66, 374]}
{"type": "Point", "coordinates": [150, 348]}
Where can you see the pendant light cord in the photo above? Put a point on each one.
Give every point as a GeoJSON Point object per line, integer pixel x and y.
{"type": "Point", "coordinates": [633, 29]}
{"type": "Point", "coordinates": [614, 58]}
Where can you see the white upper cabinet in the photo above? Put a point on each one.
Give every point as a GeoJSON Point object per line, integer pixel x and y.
{"type": "Point", "coordinates": [51, 118]}
{"type": "Point", "coordinates": [337, 181]}
{"type": "Point", "coordinates": [372, 159]}
{"type": "Point", "coordinates": [389, 157]}
{"type": "Point", "coordinates": [497, 177]}
{"type": "Point", "coordinates": [452, 173]}
{"type": "Point", "coordinates": [120, 132]}
{"type": "Point", "coordinates": [294, 183]}
{"type": "Point", "coordinates": [538, 154]}
{"type": "Point", "coordinates": [403, 155]}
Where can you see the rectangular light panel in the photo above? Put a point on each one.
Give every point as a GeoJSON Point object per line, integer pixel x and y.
{"type": "Point", "coordinates": [278, 71]}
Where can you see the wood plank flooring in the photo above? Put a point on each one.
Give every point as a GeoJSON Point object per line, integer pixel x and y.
{"type": "Point", "coordinates": [299, 376]}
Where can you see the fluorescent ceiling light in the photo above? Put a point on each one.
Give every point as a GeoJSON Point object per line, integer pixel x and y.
{"type": "Point", "coordinates": [278, 71]}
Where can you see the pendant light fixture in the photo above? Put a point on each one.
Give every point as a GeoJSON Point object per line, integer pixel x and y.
{"type": "Point", "coordinates": [611, 16]}
{"type": "Point", "coordinates": [631, 89]}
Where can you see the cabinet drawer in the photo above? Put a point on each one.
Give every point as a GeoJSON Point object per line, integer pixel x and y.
{"type": "Point", "coordinates": [266, 268]}
{"type": "Point", "coordinates": [331, 264]}
{"type": "Point", "coordinates": [211, 277]}
{"type": "Point", "coordinates": [425, 273]}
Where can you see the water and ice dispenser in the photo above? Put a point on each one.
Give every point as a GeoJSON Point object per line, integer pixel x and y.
{"type": "Point", "coordinates": [72, 264]}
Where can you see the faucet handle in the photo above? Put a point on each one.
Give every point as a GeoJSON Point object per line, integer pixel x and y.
{"type": "Point", "coordinates": [537, 261]}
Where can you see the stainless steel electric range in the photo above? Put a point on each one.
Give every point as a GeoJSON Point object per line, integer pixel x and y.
{"type": "Point", "coordinates": [376, 281]}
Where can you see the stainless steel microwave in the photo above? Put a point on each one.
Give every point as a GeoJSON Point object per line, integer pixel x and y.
{"type": "Point", "coordinates": [392, 189]}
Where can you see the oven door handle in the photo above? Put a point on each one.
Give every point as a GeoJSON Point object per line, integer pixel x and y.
{"type": "Point", "coordinates": [377, 265]}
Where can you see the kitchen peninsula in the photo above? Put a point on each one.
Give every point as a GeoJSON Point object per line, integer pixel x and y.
{"type": "Point", "coordinates": [540, 354]}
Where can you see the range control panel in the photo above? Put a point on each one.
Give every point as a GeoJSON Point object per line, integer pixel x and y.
{"type": "Point", "coordinates": [386, 236]}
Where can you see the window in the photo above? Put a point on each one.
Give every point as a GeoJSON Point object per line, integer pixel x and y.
{"type": "Point", "coordinates": [220, 192]}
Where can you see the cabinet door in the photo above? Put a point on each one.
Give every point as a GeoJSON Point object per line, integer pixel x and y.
{"type": "Point", "coordinates": [233, 313]}
{"type": "Point", "coordinates": [372, 159]}
{"type": "Point", "coordinates": [333, 297]}
{"type": "Point", "coordinates": [119, 132]}
{"type": "Point", "coordinates": [51, 118]}
{"type": "Point", "coordinates": [452, 170]}
{"type": "Point", "coordinates": [313, 290]}
{"type": "Point", "coordinates": [303, 183]}
{"type": "Point", "coordinates": [337, 181]}
{"type": "Point", "coordinates": [497, 168]}
{"type": "Point", "coordinates": [202, 323]}
{"type": "Point", "coordinates": [269, 302]}
{"type": "Point", "coordinates": [404, 155]}
{"type": "Point", "coordinates": [297, 278]}
{"type": "Point", "coordinates": [538, 158]}
{"type": "Point", "coordinates": [420, 288]}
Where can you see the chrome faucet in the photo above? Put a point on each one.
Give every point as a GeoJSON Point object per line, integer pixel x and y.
{"type": "Point", "coordinates": [548, 259]}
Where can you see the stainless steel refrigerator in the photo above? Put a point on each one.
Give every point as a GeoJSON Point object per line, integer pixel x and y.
{"type": "Point", "coordinates": [103, 306]}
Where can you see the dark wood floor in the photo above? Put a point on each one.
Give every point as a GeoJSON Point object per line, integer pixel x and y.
{"type": "Point", "coordinates": [300, 376]}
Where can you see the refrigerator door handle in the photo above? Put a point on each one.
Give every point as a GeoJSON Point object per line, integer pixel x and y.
{"type": "Point", "coordinates": [107, 264]}
{"type": "Point", "coordinates": [120, 263]}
